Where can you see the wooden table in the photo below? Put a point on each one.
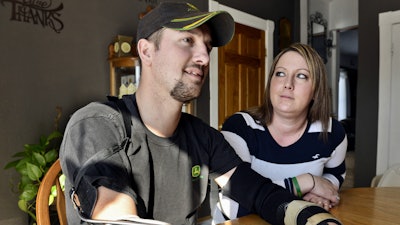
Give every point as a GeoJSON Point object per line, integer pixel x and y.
{"type": "Point", "coordinates": [369, 206]}
{"type": "Point", "coordinates": [358, 206]}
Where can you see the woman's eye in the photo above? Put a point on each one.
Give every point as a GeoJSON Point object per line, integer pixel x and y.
{"type": "Point", "coordinates": [302, 76]}
{"type": "Point", "coordinates": [280, 74]}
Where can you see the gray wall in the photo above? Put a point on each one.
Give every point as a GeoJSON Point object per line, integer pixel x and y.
{"type": "Point", "coordinates": [367, 89]}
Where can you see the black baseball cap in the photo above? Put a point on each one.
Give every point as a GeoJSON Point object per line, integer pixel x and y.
{"type": "Point", "coordinates": [185, 16]}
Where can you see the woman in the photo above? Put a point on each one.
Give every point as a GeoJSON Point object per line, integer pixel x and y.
{"type": "Point", "coordinates": [291, 138]}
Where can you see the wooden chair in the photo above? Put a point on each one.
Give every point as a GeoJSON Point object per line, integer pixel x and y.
{"type": "Point", "coordinates": [42, 198]}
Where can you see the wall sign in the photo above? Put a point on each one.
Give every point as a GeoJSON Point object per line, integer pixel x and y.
{"type": "Point", "coordinates": [36, 12]}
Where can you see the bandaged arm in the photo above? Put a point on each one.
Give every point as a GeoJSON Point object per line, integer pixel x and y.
{"type": "Point", "coordinates": [272, 202]}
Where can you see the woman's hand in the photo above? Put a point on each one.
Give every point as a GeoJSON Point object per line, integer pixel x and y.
{"type": "Point", "coordinates": [325, 189]}
{"type": "Point", "coordinates": [319, 190]}
{"type": "Point", "coordinates": [321, 201]}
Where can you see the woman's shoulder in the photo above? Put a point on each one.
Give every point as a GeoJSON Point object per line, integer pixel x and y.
{"type": "Point", "coordinates": [334, 126]}
{"type": "Point", "coordinates": [242, 117]}
{"type": "Point", "coordinates": [337, 126]}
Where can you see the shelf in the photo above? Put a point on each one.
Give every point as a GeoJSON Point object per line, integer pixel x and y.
{"type": "Point", "coordinates": [121, 66]}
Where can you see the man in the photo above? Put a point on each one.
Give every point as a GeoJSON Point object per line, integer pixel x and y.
{"type": "Point", "coordinates": [163, 174]}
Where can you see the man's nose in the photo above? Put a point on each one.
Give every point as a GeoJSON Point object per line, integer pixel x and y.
{"type": "Point", "coordinates": [202, 55]}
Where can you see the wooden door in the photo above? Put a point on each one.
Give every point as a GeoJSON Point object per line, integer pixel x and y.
{"type": "Point", "coordinates": [241, 72]}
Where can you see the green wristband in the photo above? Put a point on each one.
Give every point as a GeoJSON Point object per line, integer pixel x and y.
{"type": "Point", "coordinates": [297, 186]}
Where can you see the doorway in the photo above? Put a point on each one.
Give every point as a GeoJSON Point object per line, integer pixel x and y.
{"type": "Point", "coordinates": [347, 82]}
{"type": "Point", "coordinates": [248, 20]}
{"type": "Point", "coordinates": [347, 50]}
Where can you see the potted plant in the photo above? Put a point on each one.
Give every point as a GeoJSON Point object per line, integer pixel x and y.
{"type": "Point", "coordinates": [32, 164]}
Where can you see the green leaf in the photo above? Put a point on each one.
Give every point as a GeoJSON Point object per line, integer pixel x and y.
{"type": "Point", "coordinates": [39, 159]}
{"type": "Point", "coordinates": [28, 194]}
{"type": "Point", "coordinates": [53, 190]}
{"type": "Point", "coordinates": [25, 180]}
{"type": "Point", "coordinates": [34, 172]}
{"type": "Point", "coordinates": [19, 154]}
{"type": "Point", "coordinates": [30, 148]}
{"type": "Point", "coordinates": [11, 164]}
{"type": "Point", "coordinates": [51, 156]}
{"type": "Point", "coordinates": [44, 141]}
{"type": "Point", "coordinates": [62, 181]}
{"type": "Point", "coordinates": [54, 135]}
{"type": "Point", "coordinates": [53, 194]}
{"type": "Point", "coordinates": [21, 167]}
{"type": "Point", "coordinates": [22, 204]}
{"type": "Point", "coordinates": [51, 199]}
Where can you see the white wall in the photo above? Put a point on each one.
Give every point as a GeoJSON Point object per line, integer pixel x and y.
{"type": "Point", "coordinates": [343, 14]}
{"type": "Point", "coordinates": [339, 13]}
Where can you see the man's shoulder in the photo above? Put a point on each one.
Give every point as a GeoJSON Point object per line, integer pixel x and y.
{"type": "Point", "coordinates": [192, 124]}
{"type": "Point", "coordinates": [194, 120]}
{"type": "Point", "coordinates": [95, 110]}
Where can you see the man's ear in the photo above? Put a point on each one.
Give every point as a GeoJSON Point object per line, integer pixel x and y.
{"type": "Point", "coordinates": [144, 48]}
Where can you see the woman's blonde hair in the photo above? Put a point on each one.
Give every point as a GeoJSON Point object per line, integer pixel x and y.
{"type": "Point", "coordinates": [320, 106]}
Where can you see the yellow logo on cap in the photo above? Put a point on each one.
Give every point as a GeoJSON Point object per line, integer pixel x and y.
{"type": "Point", "coordinates": [196, 171]}
{"type": "Point", "coordinates": [191, 7]}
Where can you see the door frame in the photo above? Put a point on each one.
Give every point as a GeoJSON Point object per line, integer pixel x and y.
{"type": "Point", "coordinates": [248, 20]}
{"type": "Point", "coordinates": [384, 152]}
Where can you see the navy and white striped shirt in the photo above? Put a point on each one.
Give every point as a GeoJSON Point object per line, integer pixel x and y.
{"type": "Point", "coordinates": [310, 154]}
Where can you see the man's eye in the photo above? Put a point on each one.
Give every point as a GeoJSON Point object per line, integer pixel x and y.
{"type": "Point", "coordinates": [187, 40]}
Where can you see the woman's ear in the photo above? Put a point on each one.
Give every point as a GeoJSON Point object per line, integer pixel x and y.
{"type": "Point", "coordinates": [144, 48]}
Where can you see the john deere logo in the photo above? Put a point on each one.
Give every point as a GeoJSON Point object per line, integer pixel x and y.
{"type": "Point", "coordinates": [191, 7]}
{"type": "Point", "coordinates": [196, 171]}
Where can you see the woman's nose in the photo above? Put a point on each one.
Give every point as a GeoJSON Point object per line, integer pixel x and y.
{"type": "Point", "coordinates": [289, 83]}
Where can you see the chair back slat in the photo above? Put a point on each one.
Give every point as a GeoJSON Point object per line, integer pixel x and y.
{"type": "Point", "coordinates": [42, 198]}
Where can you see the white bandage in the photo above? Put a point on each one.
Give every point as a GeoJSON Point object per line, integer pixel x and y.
{"type": "Point", "coordinates": [294, 209]}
